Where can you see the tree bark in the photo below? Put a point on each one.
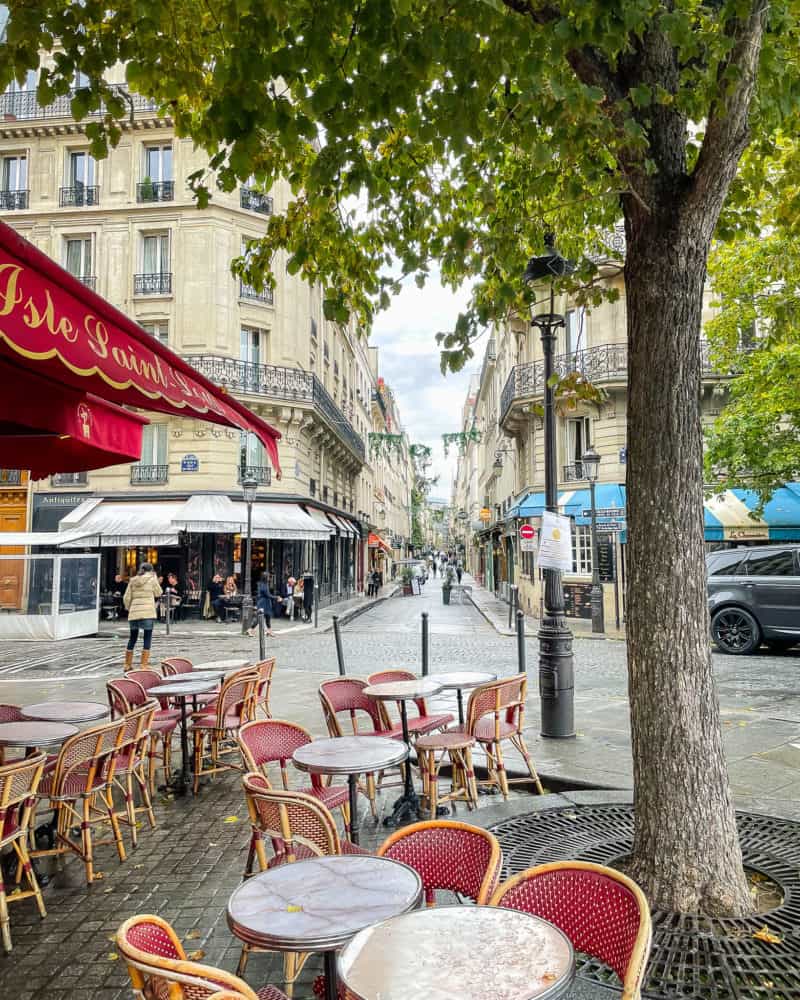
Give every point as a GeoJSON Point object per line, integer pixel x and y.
{"type": "Point", "coordinates": [686, 853]}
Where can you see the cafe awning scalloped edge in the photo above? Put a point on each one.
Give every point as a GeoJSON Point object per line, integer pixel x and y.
{"type": "Point", "coordinates": [71, 335]}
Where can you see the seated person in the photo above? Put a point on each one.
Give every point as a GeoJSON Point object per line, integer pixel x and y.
{"type": "Point", "coordinates": [175, 596]}
{"type": "Point", "coordinates": [216, 596]}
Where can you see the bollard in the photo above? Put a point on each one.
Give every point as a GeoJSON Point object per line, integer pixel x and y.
{"type": "Point", "coordinates": [426, 644]}
{"type": "Point", "coordinates": [262, 635]}
{"type": "Point", "coordinates": [167, 603]}
{"type": "Point", "coordinates": [512, 604]}
{"type": "Point", "coordinates": [521, 657]}
{"type": "Point", "coordinates": [339, 651]}
{"type": "Point", "coordinates": [316, 612]}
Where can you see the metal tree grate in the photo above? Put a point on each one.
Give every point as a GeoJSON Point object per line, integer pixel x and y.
{"type": "Point", "coordinates": [692, 956]}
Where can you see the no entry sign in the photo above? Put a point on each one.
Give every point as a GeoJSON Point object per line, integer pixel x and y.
{"type": "Point", "coordinates": [527, 532]}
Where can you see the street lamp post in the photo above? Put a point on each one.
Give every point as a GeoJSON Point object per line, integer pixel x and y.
{"type": "Point", "coordinates": [591, 467]}
{"type": "Point", "coordinates": [249, 488]}
{"type": "Point", "coordinates": [556, 667]}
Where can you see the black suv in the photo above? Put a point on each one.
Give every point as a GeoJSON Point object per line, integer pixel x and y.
{"type": "Point", "coordinates": [754, 597]}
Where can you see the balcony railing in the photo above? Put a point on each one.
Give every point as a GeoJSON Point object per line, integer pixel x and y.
{"type": "Point", "coordinates": [573, 473]}
{"type": "Point", "coordinates": [69, 479]}
{"type": "Point", "coordinates": [279, 382]}
{"type": "Point", "coordinates": [605, 363]}
{"type": "Point", "coordinates": [261, 473]}
{"type": "Point", "coordinates": [90, 280]}
{"type": "Point", "coordinates": [22, 104]}
{"type": "Point", "coordinates": [377, 397]}
{"type": "Point", "coordinates": [152, 284]}
{"type": "Point", "coordinates": [149, 191]}
{"type": "Point", "coordinates": [12, 200]}
{"type": "Point", "coordinates": [266, 296]}
{"type": "Point", "coordinates": [146, 474]}
{"type": "Point", "coordinates": [10, 477]}
{"type": "Point", "coordinates": [255, 201]}
{"type": "Point", "coordinates": [81, 196]}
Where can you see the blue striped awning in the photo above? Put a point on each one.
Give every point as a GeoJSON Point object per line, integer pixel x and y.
{"type": "Point", "coordinates": [574, 502]}
{"type": "Point", "coordinates": [728, 516]}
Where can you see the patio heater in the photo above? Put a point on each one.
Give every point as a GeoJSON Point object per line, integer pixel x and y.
{"type": "Point", "coordinates": [556, 667]}
{"type": "Point", "coordinates": [590, 461]}
{"type": "Point", "coordinates": [249, 488]}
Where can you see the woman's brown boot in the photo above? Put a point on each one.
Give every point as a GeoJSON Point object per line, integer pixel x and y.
{"type": "Point", "coordinates": [128, 660]}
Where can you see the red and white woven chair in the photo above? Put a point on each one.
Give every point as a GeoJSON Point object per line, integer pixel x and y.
{"type": "Point", "coordinates": [131, 766]}
{"type": "Point", "coordinates": [159, 970]}
{"type": "Point", "coordinates": [603, 912]}
{"type": "Point", "coordinates": [176, 665]}
{"type": "Point", "coordinates": [265, 669]}
{"type": "Point", "coordinates": [18, 783]}
{"type": "Point", "coordinates": [9, 713]}
{"type": "Point", "coordinates": [125, 694]}
{"type": "Point", "coordinates": [418, 725]}
{"type": "Point", "coordinates": [216, 731]}
{"type": "Point", "coordinates": [270, 741]}
{"type": "Point", "coordinates": [149, 679]}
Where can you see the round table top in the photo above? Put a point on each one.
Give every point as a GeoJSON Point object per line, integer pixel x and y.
{"type": "Point", "coordinates": [459, 951]}
{"type": "Point", "coordinates": [349, 754]}
{"type": "Point", "coordinates": [181, 689]}
{"type": "Point", "coordinates": [421, 687]}
{"type": "Point", "coordinates": [35, 734]}
{"type": "Point", "coordinates": [65, 711]}
{"type": "Point", "coordinates": [222, 665]}
{"type": "Point", "coordinates": [319, 904]}
{"type": "Point", "coordinates": [464, 679]}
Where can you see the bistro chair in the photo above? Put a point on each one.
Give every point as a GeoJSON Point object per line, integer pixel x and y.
{"type": "Point", "coordinates": [150, 679]}
{"type": "Point", "coordinates": [79, 789]}
{"type": "Point", "coordinates": [159, 970]}
{"type": "Point", "coordinates": [265, 670]}
{"type": "Point", "coordinates": [215, 732]}
{"type": "Point", "coordinates": [420, 724]}
{"type": "Point", "coordinates": [272, 741]}
{"type": "Point", "coordinates": [9, 713]}
{"type": "Point", "coordinates": [603, 912]}
{"type": "Point", "coordinates": [176, 665]}
{"type": "Point", "coordinates": [495, 713]}
{"type": "Point", "coordinates": [448, 855]}
{"type": "Point", "coordinates": [299, 827]}
{"type": "Point", "coordinates": [124, 695]}
{"type": "Point", "coordinates": [18, 783]}
{"type": "Point", "coordinates": [131, 763]}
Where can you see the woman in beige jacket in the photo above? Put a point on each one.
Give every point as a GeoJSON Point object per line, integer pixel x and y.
{"type": "Point", "coordinates": [140, 600]}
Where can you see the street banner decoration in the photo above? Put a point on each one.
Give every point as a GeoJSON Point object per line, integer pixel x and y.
{"type": "Point", "coordinates": [555, 542]}
{"type": "Point", "coordinates": [54, 326]}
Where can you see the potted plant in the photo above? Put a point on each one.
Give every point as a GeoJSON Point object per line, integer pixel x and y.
{"type": "Point", "coordinates": [448, 583]}
{"type": "Point", "coordinates": [407, 575]}
{"type": "Point", "coordinates": [147, 191]}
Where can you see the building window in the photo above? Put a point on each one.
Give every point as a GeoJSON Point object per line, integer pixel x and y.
{"type": "Point", "coordinates": [246, 291]}
{"type": "Point", "coordinates": [80, 182]}
{"type": "Point", "coordinates": [155, 277]}
{"type": "Point", "coordinates": [574, 327]}
{"type": "Point", "coordinates": [253, 200]}
{"type": "Point", "coordinates": [159, 329]}
{"type": "Point", "coordinates": [157, 183]}
{"type": "Point", "coordinates": [80, 80]}
{"type": "Point", "coordinates": [252, 345]}
{"type": "Point", "coordinates": [14, 182]}
{"type": "Point", "coordinates": [153, 466]}
{"type": "Point", "coordinates": [579, 437]}
{"type": "Point", "coordinates": [312, 487]}
{"type": "Point", "coordinates": [253, 462]}
{"type": "Point", "coordinates": [581, 549]}
{"type": "Point", "coordinates": [69, 479]}
{"type": "Point", "coordinates": [313, 331]}
{"type": "Point", "coordinates": [78, 259]}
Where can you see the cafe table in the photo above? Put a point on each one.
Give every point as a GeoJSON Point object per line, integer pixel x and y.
{"type": "Point", "coordinates": [407, 806]}
{"type": "Point", "coordinates": [350, 755]}
{"type": "Point", "coordinates": [460, 681]}
{"type": "Point", "coordinates": [197, 690]}
{"type": "Point", "coordinates": [319, 904]}
{"type": "Point", "coordinates": [469, 952]}
{"type": "Point", "coordinates": [34, 735]}
{"type": "Point", "coordinates": [65, 711]}
{"type": "Point", "coordinates": [220, 666]}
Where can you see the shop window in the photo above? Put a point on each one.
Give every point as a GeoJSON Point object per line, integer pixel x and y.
{"type": "Point", "coordinates": [581, 549]}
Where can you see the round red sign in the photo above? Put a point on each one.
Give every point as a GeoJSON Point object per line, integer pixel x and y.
{"type": "Point", "coordinates": [527, 531]}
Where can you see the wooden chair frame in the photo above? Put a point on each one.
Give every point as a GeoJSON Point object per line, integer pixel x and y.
{"type": "Point", "coordinates": [121, 705]}
{"type": "Point", "coordinates": [222, 739]}
{"type": "Point", "coordinates": [134, 746]}
{"type": "Point", "coordinates": [265, 669]}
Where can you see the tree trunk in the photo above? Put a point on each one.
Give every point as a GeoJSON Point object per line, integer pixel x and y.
{"type": "Point", "coordinates": [686, 851]}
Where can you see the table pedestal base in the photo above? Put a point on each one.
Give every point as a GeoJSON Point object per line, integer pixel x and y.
{"type": "Point", "coordinates": [331, 976]}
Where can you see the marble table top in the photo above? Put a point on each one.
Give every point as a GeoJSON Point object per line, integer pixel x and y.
{"type": "Point", "coordinates": [35, 734]}
{"type": "Point", "coordinates": [349, 755]}
{"type": "Point", "coordinates": [65, 711]}
{"type": "Point", "coordinates": [421, 687]}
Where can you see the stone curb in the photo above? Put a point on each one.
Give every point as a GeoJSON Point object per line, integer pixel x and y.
{"type": "Point", "coordinates": [346, 617]}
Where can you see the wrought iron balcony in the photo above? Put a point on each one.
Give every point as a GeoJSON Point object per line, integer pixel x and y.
{"type": "Point", "coordinates": [255, 201]}
{"type": "Point", "coordinates": [279, 382]}
{"type": "Point", "coordinates": [13, 200]}
{"type": "Point", "coordinates": [573, 473]}
{"type": "Point", "coordinates": [148, 474]}
{"type": "Point", "coordinates": [69, 479]}
{"type": "Point", "coordinates": [90, 280]}
{"type": "Point", "coordinates": [10, 477]}
{"type": "Point", "coordinates": [261, 473]}
{"type": "Point", "coordinates": [149, 191]}
{"type": "Point", "coordinates": [22, 104]}
{"type": "Point", "coordinates": [266, 296]}
{"type": "Point", "coordinates": [80, 196]}
{"type": "Point", "coordinates": [152, 284]}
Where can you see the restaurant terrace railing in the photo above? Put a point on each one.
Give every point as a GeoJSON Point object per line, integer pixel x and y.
{"type": "Point", "coordinates": [279, 382]}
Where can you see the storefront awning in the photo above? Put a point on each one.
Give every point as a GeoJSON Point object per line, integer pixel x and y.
{"type": "Point", "coordinates": [728, 516]}
{"type": "Point", "coordinates": [573, 503]}
{"type": "Point", "coordinates": [376, 542]}
{"type": "Point", "coordinates": [322, 522]}
{"type": "Point", "coordinates": [216, 513]}
{"type": "Point", "coordinates": [344, 526]}
{"type": "Point", "coordinates": [213, 513]}
{"type": "Point", "coordinates": [16, 539]}
{"type": "Point", "coordinates": [108, 525]}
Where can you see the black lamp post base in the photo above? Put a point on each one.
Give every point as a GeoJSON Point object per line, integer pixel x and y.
{"type": "Point", "coordinates": [556, 679]}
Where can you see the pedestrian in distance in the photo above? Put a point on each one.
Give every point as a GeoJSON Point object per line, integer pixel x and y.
{"type": "Point", "coordinates": [308, 595]}
{"type": "Point", "coordinates": [263, 603]}
{"type": "Point", "coordinates": [140, 600]}
{"type": "Point", "coordinates": [459, 570]}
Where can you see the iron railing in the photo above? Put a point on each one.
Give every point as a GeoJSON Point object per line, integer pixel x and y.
{"type": "Point", "coordinates": [10, 477]}
{"type": "Point", "coordinates": [69, 479]}
{"type": "Point", "coordinates": [90, 280]}
{"type": "Point", "coordinates": [573, 473]}
{"type": "Point", "coordinates": [255, 201]}
{"type": "Point", "coordinates": [149, 474]}
{"type": "Point", "coordinates": [261, 473]}
{"type": "Point", "coordinates": [153, 284]}
{"type": "Point", "coordinates": [266, 296]}
{"type": "Point", "coordinates": [79, 196]}
{"type": "Point", "coordinates": [149, 191]}
{"type": "Point", "coordinates": [22, 104]}
{"type": "Point", "coordinates": [279, 382]}
{"type": "Point", "coordinates": [13, 200]}
{"type": "Point", "coordinates": [605, 363]}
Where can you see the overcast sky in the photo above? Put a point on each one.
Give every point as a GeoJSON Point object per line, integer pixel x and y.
{"type": "Point", "coordinates": [430, 403]}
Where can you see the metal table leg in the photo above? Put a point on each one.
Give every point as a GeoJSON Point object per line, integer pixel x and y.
{"type": "Point", "coordinates": [407, 806]}
{"type": "Point", "coordinates": [331, 976]}
{"type": "Point", "coordinates": [460, 696]}
{"type": "Point", "coordinates": [352, 788]}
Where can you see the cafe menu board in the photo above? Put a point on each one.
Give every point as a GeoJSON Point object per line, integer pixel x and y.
{"type": "Point", "coordinates": [605, 559]}
{"type": "Point", "coordinates": [578, 600]}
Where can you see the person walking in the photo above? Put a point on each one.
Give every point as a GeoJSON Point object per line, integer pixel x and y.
{"type": "Point", "coordinates": [459, 570]}
{"type": "Point", "coordinates": [263, 603]}
{"type": "Point", "coordinates": [140, 600]}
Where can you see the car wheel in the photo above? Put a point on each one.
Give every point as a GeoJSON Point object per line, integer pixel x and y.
{"type": "Point", "coordinates": [780, 645]}
{"type": "Point", "coordinates": [735, 631]}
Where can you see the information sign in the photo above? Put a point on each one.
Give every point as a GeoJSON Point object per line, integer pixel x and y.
{"type": "Point", "coordinates": [555, 544]}
{"type": "Point", "coordinates": [190, 463]}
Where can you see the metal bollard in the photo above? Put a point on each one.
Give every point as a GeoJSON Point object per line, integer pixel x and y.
{"type": "Point", "coordinates": [262, 635]}
{"type": "Point", "coordinates": [167, 603]}
{"type": "Point", "coordinates": [426, 644]}
{"type": "Point", "coordinates": [512, 603]}
{"type": "Point", "coordinates": [316, 612]}
{"type": "Point", "coordinates": [337, 635]}
{"type": "Point", "coordinates": [521, 656]}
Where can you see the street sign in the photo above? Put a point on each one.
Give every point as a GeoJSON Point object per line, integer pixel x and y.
{"type": "Point", "coordinates": [190, 463]}
{"type": "Point", "coordinates": [614, 512]}
{"type": "Point", "coordinates": [612, 526]}
{"type": "Point", "coordinates": [527, 545]}
{"type": "Point", "coordinates": [527, 531]}
{"type": "Point", "coordinates": [485, 514]}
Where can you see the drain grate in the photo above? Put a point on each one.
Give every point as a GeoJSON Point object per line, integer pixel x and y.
{"type": "Point", "coordinates": [692, 956]}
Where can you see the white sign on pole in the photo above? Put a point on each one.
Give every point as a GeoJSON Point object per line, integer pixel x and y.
{"type": "Point", "coordinates": [527, 544]}
{"type": "Point", "coordinates": [555, 542]}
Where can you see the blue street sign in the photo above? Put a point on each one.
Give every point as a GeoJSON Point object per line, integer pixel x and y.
{"type": "Point", "coordinates": [190, 463]}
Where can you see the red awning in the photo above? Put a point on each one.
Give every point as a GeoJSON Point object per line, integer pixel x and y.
{"type": "Point", "coordinates": [53, 325]}
{"type": "Point", "coordinates": [48, 428]}
{"type": "Point", "coordinates": [376, 542]}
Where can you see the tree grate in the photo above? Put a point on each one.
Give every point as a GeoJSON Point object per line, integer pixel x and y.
{"type": "Point", "coordinates": [693, 956]}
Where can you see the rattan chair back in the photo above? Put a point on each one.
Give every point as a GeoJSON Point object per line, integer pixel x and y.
{"type": "Point", "coordinates": [290, 819]}
{"type": "Point", "coordinates": [124, 695]}
{"type": "Point", "coordinates": [346, 694]}
{"type": "Point", "coordinates": [173, 665]}
{"type": "Point", "coordinates": [18, 783]}
{"type": "Point", "coordinates": [236, 701]}
{"type": "Point", "coordinates": [265, 669]}
{"type": "Point", "coordinates": [270, 741]}
{"type": "Point", "coordinates": [503, 699]}
{"type": "Point", "coordinates": [87, 760]}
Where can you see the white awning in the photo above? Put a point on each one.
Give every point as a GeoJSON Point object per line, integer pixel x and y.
{"type": "Point", "coordinates": [347, 529]}
{"type": "Point", "coordinates": [321, 522]}
{"type": "Point", "coordinates": [17, 538]}
{"type": "Point", "coordinates": [209, 514]}
{"type": "Point", "coordinates": [287, 521]}
{"type": "Point", "coordinates": [112, 524]}
{"type": "Point", "coordinates": [79, 513]}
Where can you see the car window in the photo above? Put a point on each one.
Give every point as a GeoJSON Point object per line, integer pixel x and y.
{"type": "Point", "coordinates": [779, 562]}
{"type": "Point", "coordinates": [726, 563]}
